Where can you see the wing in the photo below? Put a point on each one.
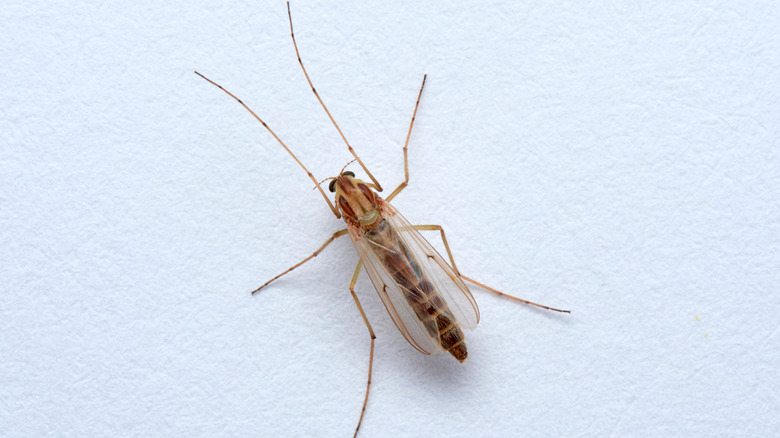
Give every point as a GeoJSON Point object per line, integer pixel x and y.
{"type": "Point", "coordinates": [403, 266]}
{"type": "Point", "coordinates": [448, 284]}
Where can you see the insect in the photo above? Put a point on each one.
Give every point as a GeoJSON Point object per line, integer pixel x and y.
{"type": "Point", "coordinates": [426, 297]}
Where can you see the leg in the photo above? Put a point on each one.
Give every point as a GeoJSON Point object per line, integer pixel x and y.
{"type": "Point", "coordinates": [449, 253]}
{"type": "Point", "coordinates": [335, 235]}
{"type": "Point", "coordinates": [406, 144]}
{"type": "Point", "coordinates": [511, 297]}
{"type": "Point", "coordinates": [370, 332]}
{"type": "Point", "coordinates": [443, 239]}
{"type": "Point", "coordinates": [352, 151]}
{"type": "Point", "coordinates": [332, 208]}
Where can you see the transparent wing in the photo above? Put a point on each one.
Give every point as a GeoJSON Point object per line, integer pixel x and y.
{"type": "Point", "coordinates": [393, 297]}
{"type": "Point", "coordinates": [402, 264]}
{"type": "Point", "coordinates": [448, 284]}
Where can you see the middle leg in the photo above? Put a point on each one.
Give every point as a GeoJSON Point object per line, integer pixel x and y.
{"type": "Point", "coordinates": [335, 236]}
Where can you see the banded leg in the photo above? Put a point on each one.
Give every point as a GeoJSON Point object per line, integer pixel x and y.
{"type": "Point", "coordinates": [335, 236]}
{"type": "Point", "coordinates": [370, 332]}
{"type": "Point", "coordinates": [490, 289]}
{"type": "Point", "coordinates": [330, 204]}
{"type": "Point", "coordinates": [349, 147]}
{"type": "Point", "coordinates": [406, 145]}
{"type": "Point", "coordinates": [487, 288]}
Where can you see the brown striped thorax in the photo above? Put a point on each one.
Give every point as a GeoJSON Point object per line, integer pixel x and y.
{"type": "Point", "coordinates": [359, 204]}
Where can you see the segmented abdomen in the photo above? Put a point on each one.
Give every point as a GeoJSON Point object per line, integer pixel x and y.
{"type": "Point", "coordinates": [419, 292]}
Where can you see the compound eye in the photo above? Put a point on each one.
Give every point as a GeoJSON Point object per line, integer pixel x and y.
{"type": "Point", "coordinates": [348, 173]}
{"type": "Point", "coordinates": [332, 186]}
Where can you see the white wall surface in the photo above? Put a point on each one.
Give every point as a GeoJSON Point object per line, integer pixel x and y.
{"type": "Point", "coordinates": [620, 161]}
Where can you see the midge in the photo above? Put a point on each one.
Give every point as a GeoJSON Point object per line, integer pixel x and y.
{"type": "Point", "coordinates": [425, 296]}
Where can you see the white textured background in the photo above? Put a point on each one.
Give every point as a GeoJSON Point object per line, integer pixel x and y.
{"type": "Point", "coordinates": [620, 161]}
